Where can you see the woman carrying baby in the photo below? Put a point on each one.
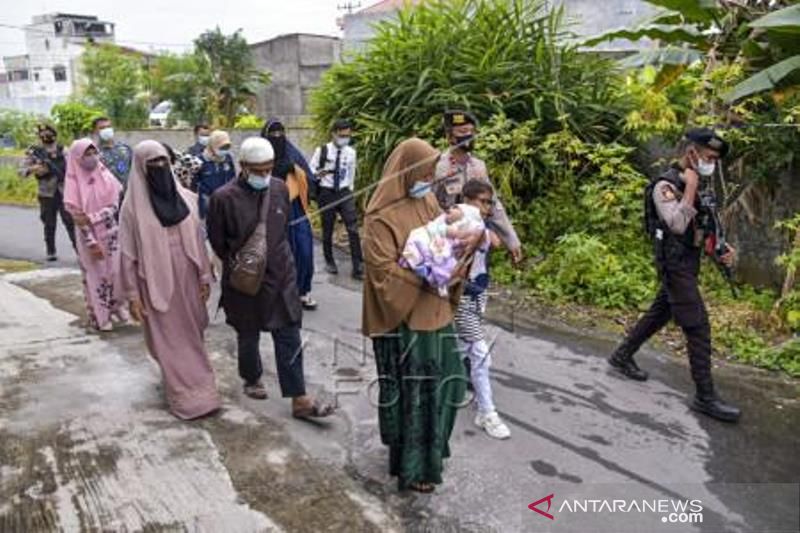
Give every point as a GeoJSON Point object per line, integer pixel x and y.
{"type": "Point", "coordinates": [421, 377]}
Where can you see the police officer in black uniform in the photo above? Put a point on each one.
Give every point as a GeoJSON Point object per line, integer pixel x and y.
{"type": "Point", "coordinates": [47, 163]}
{"type": "Point", "coordinates": [672, 204]}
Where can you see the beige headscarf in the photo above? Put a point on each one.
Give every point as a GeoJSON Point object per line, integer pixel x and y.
{"type": "Point", "coordinates": [392, 294]}
{"type": "Point", "coordinates": [143, 238]}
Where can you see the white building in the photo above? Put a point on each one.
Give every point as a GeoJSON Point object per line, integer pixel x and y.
{"type": "Point", "coordinates": [586, 18]}
{"type": "Point", "coordinates": [48, 73]}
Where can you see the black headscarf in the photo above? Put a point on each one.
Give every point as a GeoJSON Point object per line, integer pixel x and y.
{"type": "Point", "coordinates": [283, 163]}
{"type": "Point", "coordinates": [168, 204]}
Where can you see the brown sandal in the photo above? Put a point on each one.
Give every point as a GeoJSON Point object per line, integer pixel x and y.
{"type": "Point", "coordinates": [318, 409]}
{"type": "Point", "coordinates": [422, 487]}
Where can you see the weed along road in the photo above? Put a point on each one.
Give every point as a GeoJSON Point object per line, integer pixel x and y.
{"type": "Point", "coordinates": [87, 444]}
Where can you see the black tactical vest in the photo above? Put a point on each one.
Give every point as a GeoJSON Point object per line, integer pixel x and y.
{"type": "Point", "coordinates": [667, 245]}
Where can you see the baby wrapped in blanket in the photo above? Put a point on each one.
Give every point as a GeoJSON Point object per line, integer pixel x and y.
{"type": "Point", "coordinates": [432, 251]}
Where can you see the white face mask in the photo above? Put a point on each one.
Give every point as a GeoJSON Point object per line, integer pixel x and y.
{"type": "Point", "coordinates": [203, 140]}
{"type": "Point", "coordinates": [341, 142]}
{"type": "Point", "coordinates": [705, 168]}
{"type": "Point", "coordinates": [106, 134]}
{"type": "Point", "coordinates": [258, 181]}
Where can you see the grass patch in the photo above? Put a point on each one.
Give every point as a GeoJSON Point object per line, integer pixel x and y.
{"type": "Point", "coordinates": [15, 189]}
{"type": "Point", "coordinates": [12, 265]}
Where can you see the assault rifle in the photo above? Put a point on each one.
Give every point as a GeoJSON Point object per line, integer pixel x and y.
{"type": "Point", "coordinates": [716, 244]}
{"type": "Point", "coordinates": [39, 154]}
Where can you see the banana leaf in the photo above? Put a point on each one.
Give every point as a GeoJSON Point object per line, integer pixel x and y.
{"type": "Point", "coordinates": [767, 79]}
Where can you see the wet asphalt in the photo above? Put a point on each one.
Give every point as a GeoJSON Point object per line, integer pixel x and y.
{"type": "Point", "coordinates": [579, 432]}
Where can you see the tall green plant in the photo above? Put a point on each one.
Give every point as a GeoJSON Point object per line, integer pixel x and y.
{"type": "Point", "coordinates": [114, 82]}
{"type": "Point", "coordinates": [226, 69]}
{"type": "Point", "coordinates": [492, 57]}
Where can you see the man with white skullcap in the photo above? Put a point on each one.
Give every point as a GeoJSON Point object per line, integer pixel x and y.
{"type": "Point", "coordinates": [234, 212]}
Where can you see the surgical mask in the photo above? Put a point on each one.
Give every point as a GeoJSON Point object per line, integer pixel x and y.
{"type": "Point", "coordinates": [48, 139]}
{"type": "Point", "coordinates": [106, 134]}
{"type": "Point", "coordinates": [258, 182]}
{"type": "Point", "coordinates": [89, 162]}
{"type": "Point", "coordinates": [222, 154]}
{"type": "Point", "coordinates": [465, 142]}
{"type": "Point", "coordinates": [341, 142]}
{"type": "Point", "coordinates": [203, 140]}
{"type": "Point", "coordinates": [705, 168]}
{"type": "Point", "coordinates": [420, 189]}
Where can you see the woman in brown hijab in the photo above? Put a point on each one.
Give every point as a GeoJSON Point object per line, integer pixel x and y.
{"type": "Point", "coordinates": [421, 376]}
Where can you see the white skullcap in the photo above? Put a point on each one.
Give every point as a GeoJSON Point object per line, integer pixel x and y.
{"type": "Point", "coordinates": [256, 150]}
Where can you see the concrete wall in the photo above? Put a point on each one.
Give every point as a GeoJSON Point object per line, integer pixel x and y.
{"type": "Point", "coordinates": [590, 19]}
{"type": "Point", "coordinates": [359, 29]}
{"type": "Point", "coordinates": [759, 243]}
{"type": "Point", "coordinates": [180, 139]}
{"type": "Point", "coordinates": [297, 63]}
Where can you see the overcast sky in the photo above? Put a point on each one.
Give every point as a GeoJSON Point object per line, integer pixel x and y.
{"type": "Point", "coordinates": [180, 21]}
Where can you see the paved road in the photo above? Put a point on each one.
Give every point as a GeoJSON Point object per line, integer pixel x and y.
{"type": "Point", "coordinates": [86, 443]}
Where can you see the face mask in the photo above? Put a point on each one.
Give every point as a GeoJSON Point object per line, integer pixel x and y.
{"type": "Point", "coordinates": [203, 140]}
{"type": "Point", "coordinates": [47, 139]}
{"type": "Point", "coordinates": [420, 189]}
{"type": "Point", "coordinates": [106, 134]}
{"type": "Point", "coordinates": [465, 142]}
{"type": "Point", "coordinates": [258, 182]}
{"type": "Point", "coordinates": [159, 175]}
{"type": "Point", "coordinates": [89, 162]}
{"type": "Point", "coordinates": [705, 168]}
{"type": "Point", "coordinates": [222, 154]}
{"type": "Point", "coordinates": [341, 142]}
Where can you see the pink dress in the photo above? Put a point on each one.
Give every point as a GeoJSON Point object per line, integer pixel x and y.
{"type": "Point", "coordinates": [175, 337]}
{"type": "Point", "coordinates": [101, 283]}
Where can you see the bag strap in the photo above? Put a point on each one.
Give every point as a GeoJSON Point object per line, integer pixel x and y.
{"type": "Point", "coordinates": [323, 157]}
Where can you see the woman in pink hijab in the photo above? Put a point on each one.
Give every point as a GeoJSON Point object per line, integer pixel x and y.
{"type": "Point", "coordinates": [166, 277]}
{"type": "Point", "coordinates": [91, 195]}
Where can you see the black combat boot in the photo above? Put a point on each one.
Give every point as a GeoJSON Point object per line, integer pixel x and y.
{"type": "Point", "coordinates": [707, 402]}
{"type": "Point", "coordinates": [331, 268]}
{"type": "Point", "coordinates": [358, 271]}
{"type": "Point", "coordinates": [624, 364]}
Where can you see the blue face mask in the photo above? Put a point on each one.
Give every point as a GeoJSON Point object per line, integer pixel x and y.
{"type": "Point", "coordinates": [222, 154]}
{"type": "Point", "coordinates": [420, 189]}
{"type": "Point", "coordinates": [258, 182]}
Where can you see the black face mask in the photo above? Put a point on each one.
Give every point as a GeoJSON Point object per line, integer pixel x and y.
{"type": "Point", "coordinates": [465, 142]}
{"type": "Point", "coordinates": [279, 145]}
{"type": "Point", "coordinates": [167, 202]}
{"type": "Point", "coordinates": [48, 139]}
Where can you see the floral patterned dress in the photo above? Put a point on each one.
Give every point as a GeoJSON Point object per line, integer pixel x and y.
{"type": "Point", "coordinates": [101, 279]}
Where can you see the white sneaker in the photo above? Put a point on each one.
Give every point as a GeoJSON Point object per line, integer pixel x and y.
{"type": "Point", "coordinates": [493, 425]}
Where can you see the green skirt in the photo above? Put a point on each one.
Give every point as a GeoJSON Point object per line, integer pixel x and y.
{"type": "Point", "coordinates": [422, 384]}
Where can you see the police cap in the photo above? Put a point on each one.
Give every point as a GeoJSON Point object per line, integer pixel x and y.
{"type": "Point", "coordinates": [708, 138]}
{"type": "Point", "coordinates": [456, 117]}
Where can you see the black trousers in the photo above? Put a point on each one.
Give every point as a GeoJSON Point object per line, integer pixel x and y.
{"type": "Point", "coordinates": [49, 211]}
{"type": "Point", "coordinates": [342, 203]}
{"type": "Point", "coordinates": [678, 299]}
{"type": "Point", "coordinates": [288, 359]}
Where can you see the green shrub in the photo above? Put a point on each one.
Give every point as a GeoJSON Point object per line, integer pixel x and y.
{"type": "Point", "coordinates": [20, 126]}
{"type": "Point", "coordinates": [584, 269]}
{"type": "Point", "coordinates": [15, 189]}
{"type": "Point", "coordinates": [248, 122]}
{"type": "Point", "coordinates": [74, 119]}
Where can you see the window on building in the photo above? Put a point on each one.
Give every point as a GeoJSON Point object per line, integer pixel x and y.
{"type": "Point", "coordinates": [35, 76]}
{"type": "Point", "coordinates": [19, 75]}
{"type": "Point", "coordinates": [60, 73]}
{"type": "Point", "coordinates": [47, 44]}
{"type": "Point", "coordinates": [59, 26]}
